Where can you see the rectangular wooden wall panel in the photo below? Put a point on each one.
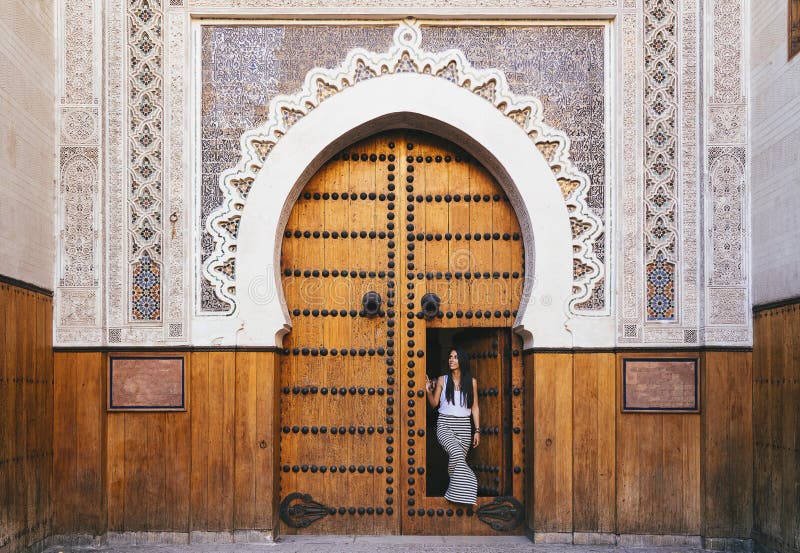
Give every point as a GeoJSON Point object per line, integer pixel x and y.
{"type": "Point", "coordinates": [594, 414]}
{"type": "Point", "coordinates": [727, 444]}
{"type": "Point", "coordinates": [79, 443]}
{"type": "Point", "coordinates": [209, 469]}
{"type": "Point", "coordinates": [552, 447]}
{"type": "Point", "coordinates": [776, 428]}
{"type": "Point", "coordinates": [26, 418]}
{"type": "Point", "coordinates": [589, 467]}
{"type": "Point", "coordinates": [658, 470]}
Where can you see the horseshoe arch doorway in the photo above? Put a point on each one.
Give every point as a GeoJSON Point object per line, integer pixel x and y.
{"type": "Point", "coordinates": [383, 223]}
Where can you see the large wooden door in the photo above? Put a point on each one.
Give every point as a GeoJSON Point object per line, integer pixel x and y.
{"type": "Point", "coordinates": [394, 217]}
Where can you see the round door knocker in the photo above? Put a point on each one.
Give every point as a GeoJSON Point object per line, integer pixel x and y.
{"type": "Point", "coordinates": [371, 304]}
{"type": "Point", "coordinates": [430, 305]}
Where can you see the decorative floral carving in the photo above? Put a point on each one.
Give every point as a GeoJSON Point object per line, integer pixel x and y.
{"type": "Point", "coordinates": [727, 214]}
{"type": "Point", "coordinates": [78, 195]}
{"type": "Point", "coordinates": [405, 56]}
{"type": "Point", "coordinates": [631, 223]}
{"type": "Point", "coordinates": [79, 126]}
{"type": "Point", "coordinates": [77, 307]}
{"type": "Point", "coordinates": [727, 124]}
{"type": "Point", "coordinates": [145, 47]}
{"type": "Point", "coordinates": [727, 83]}
{"type": "Point", "coordinates": [79, 54]}
{"type": "Point", "coordinates": [661, 152]}
{"type": "Point", "coordinates": [727, 306]}
{"type": "Point", "coordinates": [176, 236]}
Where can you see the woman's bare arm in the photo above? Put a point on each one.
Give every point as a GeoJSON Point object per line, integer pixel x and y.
{"type": "Point", "coordinates": [434, 392]}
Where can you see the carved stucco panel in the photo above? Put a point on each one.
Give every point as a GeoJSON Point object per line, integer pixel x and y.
{"type": "Point", "coordinates": [78, 53]}
{"type": "Point", "coordinates": [727, 306]}
{"type": "Point", "coordinates": [177, 220]}
{"type": "Point", "coordinates": [630, 211]}
{"type": "Point", "coordinates": [689, 165]}
{"type": "Point", "coordinates": [405, 55]}
{"type": "Point", "coordinates": [80, 125]}
{"type": "Point", "coordinates": [727, 124]}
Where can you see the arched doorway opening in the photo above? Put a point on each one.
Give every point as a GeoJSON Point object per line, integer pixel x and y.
{"type": "Point", "coordinates": [399, 246]}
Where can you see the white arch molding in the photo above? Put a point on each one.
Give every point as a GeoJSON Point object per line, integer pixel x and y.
{"type": "Point", "coordinates": [410, 100]}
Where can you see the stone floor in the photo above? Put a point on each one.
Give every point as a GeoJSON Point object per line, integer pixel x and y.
{"type": "Point", "coordinates": [378, 544]}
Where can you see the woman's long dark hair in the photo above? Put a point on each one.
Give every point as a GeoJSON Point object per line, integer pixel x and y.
{"type": "Point", "coordinates": [466, 379]}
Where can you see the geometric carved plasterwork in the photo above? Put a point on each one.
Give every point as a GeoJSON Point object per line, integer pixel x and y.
{"type": "Point", "coordinates": [78, 194]}
{"type": "Point", "coordinates": [97, 135]}
{"type": "Point", "coordinates": [145, 119]}
{"type": "Point", "coordinates": [79, 125]}
{"type": "Point", "coordinates": [79, 267]}
{"type": "Point", "coordinates": [727, 224]}
{"type": "Point", "coordinates": [405, 56]}
{"type": "Point", "coordinates": [726, 261]}
{"type": "Point", "coordinates": [661, 155]}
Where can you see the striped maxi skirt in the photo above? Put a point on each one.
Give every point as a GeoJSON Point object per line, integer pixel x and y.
{"type": "Point", "coordinates": [455, 435]}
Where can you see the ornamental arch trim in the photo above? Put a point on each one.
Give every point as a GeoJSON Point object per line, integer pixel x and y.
{"type": "Point", "coordinates": [404, 57]}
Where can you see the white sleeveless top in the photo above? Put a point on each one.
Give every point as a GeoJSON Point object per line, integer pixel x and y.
{"type": "Point", "coordinates": [456, 409]}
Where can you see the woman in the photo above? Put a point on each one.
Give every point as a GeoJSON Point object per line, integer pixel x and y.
{"type": "Point", "coordinates": [456, 396]}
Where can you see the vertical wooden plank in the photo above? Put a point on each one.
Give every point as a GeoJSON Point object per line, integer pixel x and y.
{"type": "Point", "coordinates": [27, 428]}
{"type": "Point", "coordinates": [594, 442]}
{"type": "Point", "coordinates": [530, 440]}
{"type": "Point", "coordinates": [790, 439]}
{"type": "Point", "coordinates": [154, 470]}
{"type": "Point", "coordinates": [115, 471]}
{"type": "Point", "coordinates": [553, 442]}
{"type": "Point", "coordinates": [244, 469]}
{"type": "Point", "coordinates": [727, 444]}
{"type": "Point", "coordinates": [135, 490]}
{"type": "Point", "coordinates": [267, 417]}
{"type": "Point", "coordinates": [222, 390]}
{"type": "Point", "coordinates": [199, 401]}
{"type": "Point", "coordinates": [64, 445]}
{"type": "Point", "coordinates": [5, 414]}
{"type": "Point", "coordinates": [177, 442]}
{"type": "Point", "coordinates": [50, 377]}
{"type": "Point", "coordinates": [88, 433]}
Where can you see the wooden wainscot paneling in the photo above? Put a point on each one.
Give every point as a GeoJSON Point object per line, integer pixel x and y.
{"type": "Point", "coordinates": [776, 427]}
{"type": "Point", "coordinates": [26, 417]}
{"type": "Point", "coordinates": [658, 467]}
{"type": "Point", "coordinates": [148, 441]}
{"type": "Point", "coordinates": [79, 442]}
{"type": "Point", "coordinates": [151, 382]}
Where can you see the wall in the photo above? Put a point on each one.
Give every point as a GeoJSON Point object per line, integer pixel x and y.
{"type": "Point", "coordinates": [775, 88]}
{"type": "Point", "coordinates": [599, 471]}
{"type": "Point", "coordinates": [26, 417]}
{"type": "Point", "coordinates": [209, 469]}
{"type": "Point", "coordinates": [27, 135]}
{"type": "Point", "coordinates": [776, 424]}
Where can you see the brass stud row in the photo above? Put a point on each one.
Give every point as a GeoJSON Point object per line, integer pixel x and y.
{"type": "Point", "coordinates": [458, 275]}
{"type": "Point", "coordinates": [344, 273]}
{"type": "Point", "coordinates": [370, 234]}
